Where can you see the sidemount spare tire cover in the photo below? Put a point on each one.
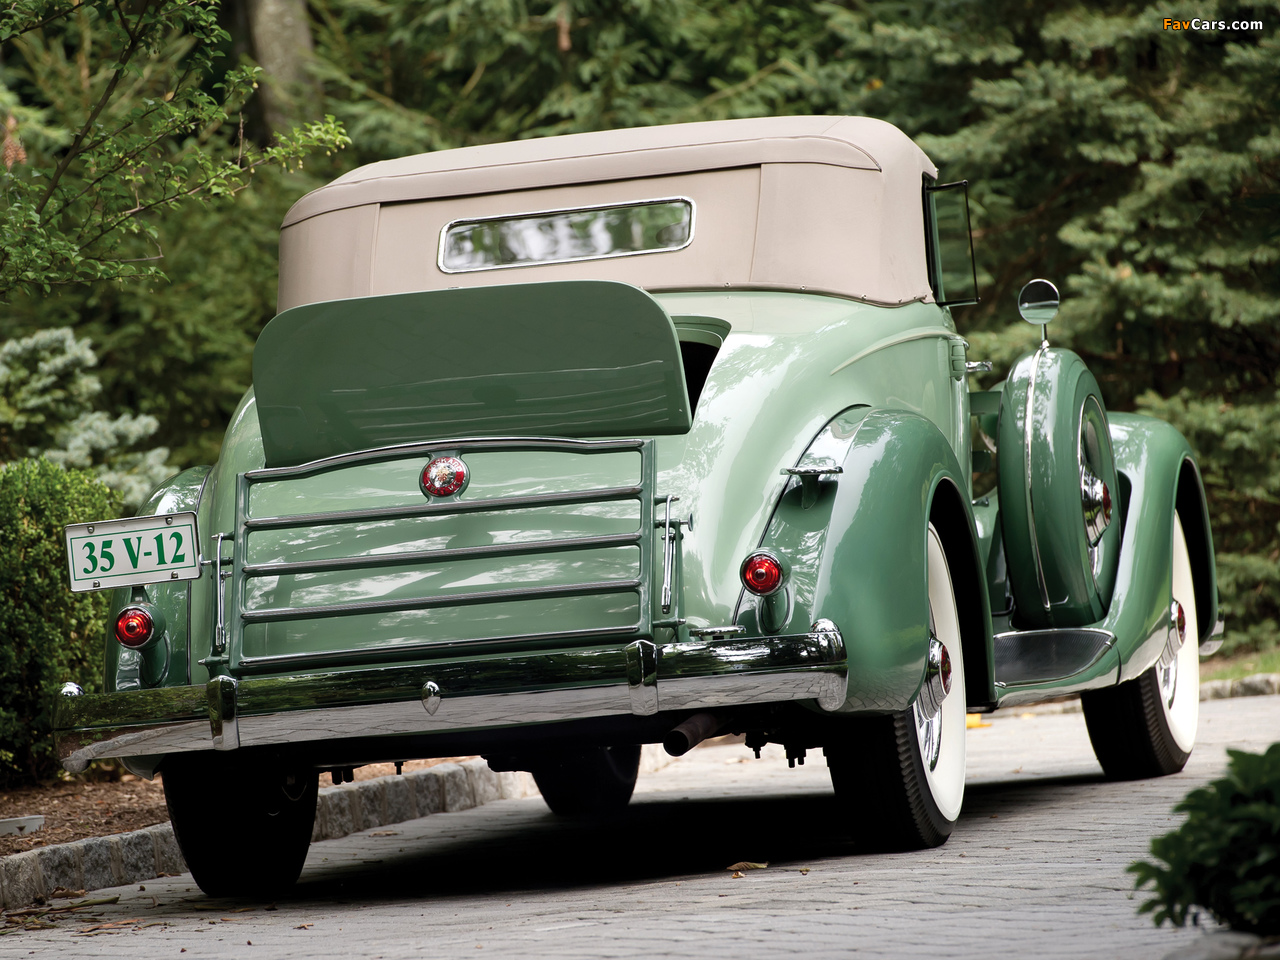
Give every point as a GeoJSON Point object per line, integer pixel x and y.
{"type": "Point", "coordinates": [1059, 495]}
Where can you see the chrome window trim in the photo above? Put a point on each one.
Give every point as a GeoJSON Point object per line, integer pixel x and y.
{"type": "Point", "coordinates": [444, 233]}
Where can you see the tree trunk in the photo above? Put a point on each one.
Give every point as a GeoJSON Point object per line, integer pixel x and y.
{"type": "Point", "coordinates": [282, 46]}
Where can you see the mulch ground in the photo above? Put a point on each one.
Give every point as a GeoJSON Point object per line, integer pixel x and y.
{"type": "Point", "coordinates": [76, 809]}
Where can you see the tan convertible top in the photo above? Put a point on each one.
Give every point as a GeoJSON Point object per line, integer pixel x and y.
{"type": "Point", "coordinates": [829, 204]}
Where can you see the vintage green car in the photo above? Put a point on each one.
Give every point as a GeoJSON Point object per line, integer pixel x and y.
{"type": "Point", "coordinates": [564, 446]}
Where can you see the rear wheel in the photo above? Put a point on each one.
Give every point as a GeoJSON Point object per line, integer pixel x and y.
{"type": "Point", "coordinates": [1146, 727]}
{"type": "Point", "coordinates": [586, 782]}
{"type": "Point", "coordinates": [901, 778]}
{"type": "Point", "coordinates": [243, 828]}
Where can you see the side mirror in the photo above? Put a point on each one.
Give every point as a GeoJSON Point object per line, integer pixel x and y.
{"type": "Point", "coordinates": [1038, 302]}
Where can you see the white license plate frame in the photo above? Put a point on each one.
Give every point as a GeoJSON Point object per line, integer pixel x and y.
{"type": "Point", "coordinates": [138, 551]}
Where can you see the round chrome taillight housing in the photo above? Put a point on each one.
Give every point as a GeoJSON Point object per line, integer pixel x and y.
{"type": "Point", "coordinates": [937, 679]}
{"type": "Point", "coordinates": [763, 573]}
{"type": "Point", "coordinates": [135, 627]}
{"type": "Point", "coordinates": [1178, 619]}
{"type": "Point", "coordinates": [444, 477]}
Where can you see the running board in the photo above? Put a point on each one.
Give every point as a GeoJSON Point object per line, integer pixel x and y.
{"type": "Point", "coordinates": [1042, 656]}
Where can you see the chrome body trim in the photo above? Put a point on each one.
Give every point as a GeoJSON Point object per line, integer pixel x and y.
{"type": "Point", "coordinates": [668, 556]}
{"type": "Point", "coordinates": [809, 478]}
{"type": "Point", "coordinates": [642, 677]}
{"type": "Point", "coordinates": [731, 630]}
{"type": "Point", "coordinates": [639, 679]}
{"type": "Point", "coordinates": [1031, 515]}
{"type": "Point", "coordinates": [1032, 657]}
{"type": "Point", "coordinates": [224, 722]}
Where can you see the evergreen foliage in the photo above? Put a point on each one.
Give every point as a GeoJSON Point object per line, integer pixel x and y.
{"type": "Point", "coordinates": [46, 407]}
{"type": "Point", "coordinates": [108, 121]}
{"type": "Point", "coordinates": [1225, 858]}
{"type": "Point", "coordinates": [48, 635]}
{"type": "Point", "coordinates": [1137, 167]}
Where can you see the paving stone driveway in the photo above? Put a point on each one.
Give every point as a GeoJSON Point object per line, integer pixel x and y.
{"type": "Point", "coordinates": [1035, 869]}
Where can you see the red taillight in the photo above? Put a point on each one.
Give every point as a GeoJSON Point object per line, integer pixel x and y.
{"type": "Point", "coordinates": [134, 627]}
{"type": "Point", "coordinates": [762, 574]}
{"type": "Point", "coordinates": [443, 477]}
{"type": "Point", "coordinates": [1180, 621]}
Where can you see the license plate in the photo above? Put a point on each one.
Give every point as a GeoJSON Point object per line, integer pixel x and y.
{"type": "Point", "coordinates": [127, 553]}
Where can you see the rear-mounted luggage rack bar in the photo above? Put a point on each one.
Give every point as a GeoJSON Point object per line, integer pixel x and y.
{"type": "Point", "coordinates": [641, 537]}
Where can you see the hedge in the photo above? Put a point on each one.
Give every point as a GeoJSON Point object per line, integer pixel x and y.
{"type": "Point", "coordinates": [48, 635]}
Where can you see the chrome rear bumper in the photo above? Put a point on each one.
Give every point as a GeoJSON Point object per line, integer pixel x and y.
{"type": "Point", "coordinates": [641, 679]}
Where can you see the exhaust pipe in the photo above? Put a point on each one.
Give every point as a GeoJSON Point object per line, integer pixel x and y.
{"type": "Point", "coordinates": [690, 733]}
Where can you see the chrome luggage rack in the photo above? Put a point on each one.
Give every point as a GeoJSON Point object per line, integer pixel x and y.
{"type": "Point", "coordinates": [227, 643]}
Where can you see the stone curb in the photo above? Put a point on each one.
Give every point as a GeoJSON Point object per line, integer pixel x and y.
{"type": "Point", "coordinates": [1257, 685]}
{"type": "Point", "coordinates": [1228, 945]}
{"type": "Point", "coordinates": [141, 855]}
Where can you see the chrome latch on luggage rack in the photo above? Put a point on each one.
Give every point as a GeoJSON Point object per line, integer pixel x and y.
{"type": "Point", "coordinates": [670, 533]}
{"type": "Point", "coordinates": [219, 647]}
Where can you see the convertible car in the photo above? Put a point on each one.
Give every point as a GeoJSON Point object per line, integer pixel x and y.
{"type": "Point", "coordinates": [560, 447]}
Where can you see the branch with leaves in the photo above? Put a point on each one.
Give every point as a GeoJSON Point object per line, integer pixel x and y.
{"type": "Point", "coordinates": [78, 202]}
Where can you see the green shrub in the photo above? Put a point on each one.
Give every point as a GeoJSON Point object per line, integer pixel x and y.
{"type": "Point", "coordinates": [1226, 856]}
{"type": "Point", "coordinates": [48, 635]}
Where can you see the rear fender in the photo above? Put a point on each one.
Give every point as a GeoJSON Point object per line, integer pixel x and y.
{"type": "Point", "coordinates": [1158, 475]}
{"type": "Point", "coordinates": [857, 554]}
{"type": "Point", "coordinates": [166, 664]}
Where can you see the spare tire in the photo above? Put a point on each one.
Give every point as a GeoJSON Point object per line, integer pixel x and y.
{"type": "Point", "coordinates": [1058, 492]}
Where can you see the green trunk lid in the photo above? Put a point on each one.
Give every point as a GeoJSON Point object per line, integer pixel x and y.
{"type": "Point", "coordinates": [564, 359]}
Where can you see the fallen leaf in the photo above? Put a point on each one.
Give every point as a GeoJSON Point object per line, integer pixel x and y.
{"type": "Point", "coordinates": [804, 870]}
{"type": "Point", "coordinates": [748, 865]}
{"type": "Point", "coordinates": [974, 720]}
{"type": "Point", "coordinates": [304, 926]}
{"type": "Point", "coordinates": [737, 875]}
